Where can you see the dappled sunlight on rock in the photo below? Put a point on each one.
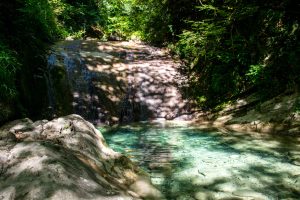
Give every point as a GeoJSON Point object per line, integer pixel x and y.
{"type": "Point", "coordinates": [276, 115]}
{"type": "Point", "coordinates": [104, 56]}
{"type": "Point", "coordinates": [117, 80]}
{"type": "Point", "coordinates": [33, 163]}
{"type": "Point", "coordinates": [66, 158]}
{"type": "Point", "coordinates": [99, 68]}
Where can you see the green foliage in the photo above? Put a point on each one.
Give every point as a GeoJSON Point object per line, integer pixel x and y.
{"type": "Point", "coordinates": [234, 46]}
{"type": "Point", "coordinates": [74, 17]}
{"type": "Point", "coordinates": [201, 100]}
{"type": "Point", "coordinates": [255, 73]}
{"type": "Point", "coordinates": [27, 27]}
{"type": "Point", "coordinates": [155, 25]}
{"type": "Point", "coordinates": [39, 16]}
{"type": "Point", "coordinates": [117, 15]}
{"type": "Point", "coordinates": [8, 92]}
{"type": "Point", "coordinates": [143, 19]}
{"type": "Point", "coordinates": [149, 20]}
{"type": "Point", "coordinates": [8, 68]}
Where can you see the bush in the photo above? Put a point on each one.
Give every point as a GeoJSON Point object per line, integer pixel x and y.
{"type": "Point", "coordinates": [230, 58]}
{"type": "Point", "coordinates": [8, 68]}
{"type": "Point", "coordinates": [8, 92]}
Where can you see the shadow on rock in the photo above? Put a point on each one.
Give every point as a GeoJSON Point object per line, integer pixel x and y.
{"type": "Point", "coordinates": [66, 158]}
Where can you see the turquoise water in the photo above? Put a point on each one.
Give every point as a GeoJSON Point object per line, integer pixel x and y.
{"type": "Point", "coordinates": [185, 162]}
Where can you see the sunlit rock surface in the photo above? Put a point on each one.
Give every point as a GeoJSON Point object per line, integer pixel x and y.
{"type": "Point", "coordinates": [66, 158]}
{"type": "Point", "coordinates": [277, 115]}
{"type": "Point", "coordinates": [115, 81]}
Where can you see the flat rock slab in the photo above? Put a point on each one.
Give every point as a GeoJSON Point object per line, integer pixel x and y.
{"type": "Point", "coordinates": [66, 158]}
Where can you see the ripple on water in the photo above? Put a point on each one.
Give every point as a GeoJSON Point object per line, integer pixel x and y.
{"type": "Point", "coordinates": [189, 163]}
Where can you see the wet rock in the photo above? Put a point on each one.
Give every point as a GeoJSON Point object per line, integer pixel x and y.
{"type": "Point", "coordinates": [66, 158]}
{"type": "Point", "coordinates": [203, 194]}
{"type": "Point", "coordinates": [94, 32]}
{"type": "Point", "coordinates": [15, 127]}
{"type": "Point", "coordinates": [115, 81]}
{"type": "Point", "coordinates": [250, 194]}
{"type": "Point", "coordinates": [141, 187]}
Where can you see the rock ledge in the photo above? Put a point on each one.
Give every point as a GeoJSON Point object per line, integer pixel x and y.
{"type": "Point", "coordinates": [66, 158]}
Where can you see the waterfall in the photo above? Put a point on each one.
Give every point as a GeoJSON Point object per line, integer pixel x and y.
{"type": "Point", "coordinates": [107, 82]}
{"type": "Point", "coordinates": [69, 82]}
{"type": "Point", "coordinates": [76, 86]}
{"type": "Point", "coordinates": [127, 103]}
{"type": "Point", "coordinates": [50, 89]}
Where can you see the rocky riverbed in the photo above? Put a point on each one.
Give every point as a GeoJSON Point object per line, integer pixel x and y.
{"type": "Point", "coordinates": [117, 82]}
{"type": "Point", "coordinates": [189, 163]}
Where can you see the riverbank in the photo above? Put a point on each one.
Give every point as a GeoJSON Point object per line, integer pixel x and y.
{"type": "Point", "coordinates": [279, 115]}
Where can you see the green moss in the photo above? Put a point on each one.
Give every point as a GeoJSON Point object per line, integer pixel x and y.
{"type": "Point", "coordinates": [63, 96]}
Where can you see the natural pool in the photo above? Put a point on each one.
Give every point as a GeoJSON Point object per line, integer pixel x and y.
{"type": "Point", "coordinates": [185, 162]}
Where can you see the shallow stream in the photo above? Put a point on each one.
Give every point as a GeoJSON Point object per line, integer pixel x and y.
{"type": "Point", "coordinates": [185, 162]}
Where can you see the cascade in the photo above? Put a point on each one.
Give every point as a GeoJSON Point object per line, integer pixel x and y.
{"type": "Point", "coordinates": [127, 103]}
{"type": "Point", "coordinates": [67, 75]}
{"type": "Point", "coordinates": [113, 82]}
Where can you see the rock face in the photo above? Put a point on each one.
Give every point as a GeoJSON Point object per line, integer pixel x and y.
{"type": "Point", "coordinates": [115, 81]}
{"type": "Point", "coordinates": [277, 115]}
{"type": "Point", "coordinates": [66, 158]}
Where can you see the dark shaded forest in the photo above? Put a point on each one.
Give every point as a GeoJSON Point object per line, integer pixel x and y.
{"type": "Point", "coordinates": [230, 48]}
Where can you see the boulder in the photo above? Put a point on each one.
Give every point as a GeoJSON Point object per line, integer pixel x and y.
{"type": "Point", "coordinates": [66, 158]}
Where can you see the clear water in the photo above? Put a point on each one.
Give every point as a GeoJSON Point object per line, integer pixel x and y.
{"type": "Point", "coordinates": [185, 162]}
